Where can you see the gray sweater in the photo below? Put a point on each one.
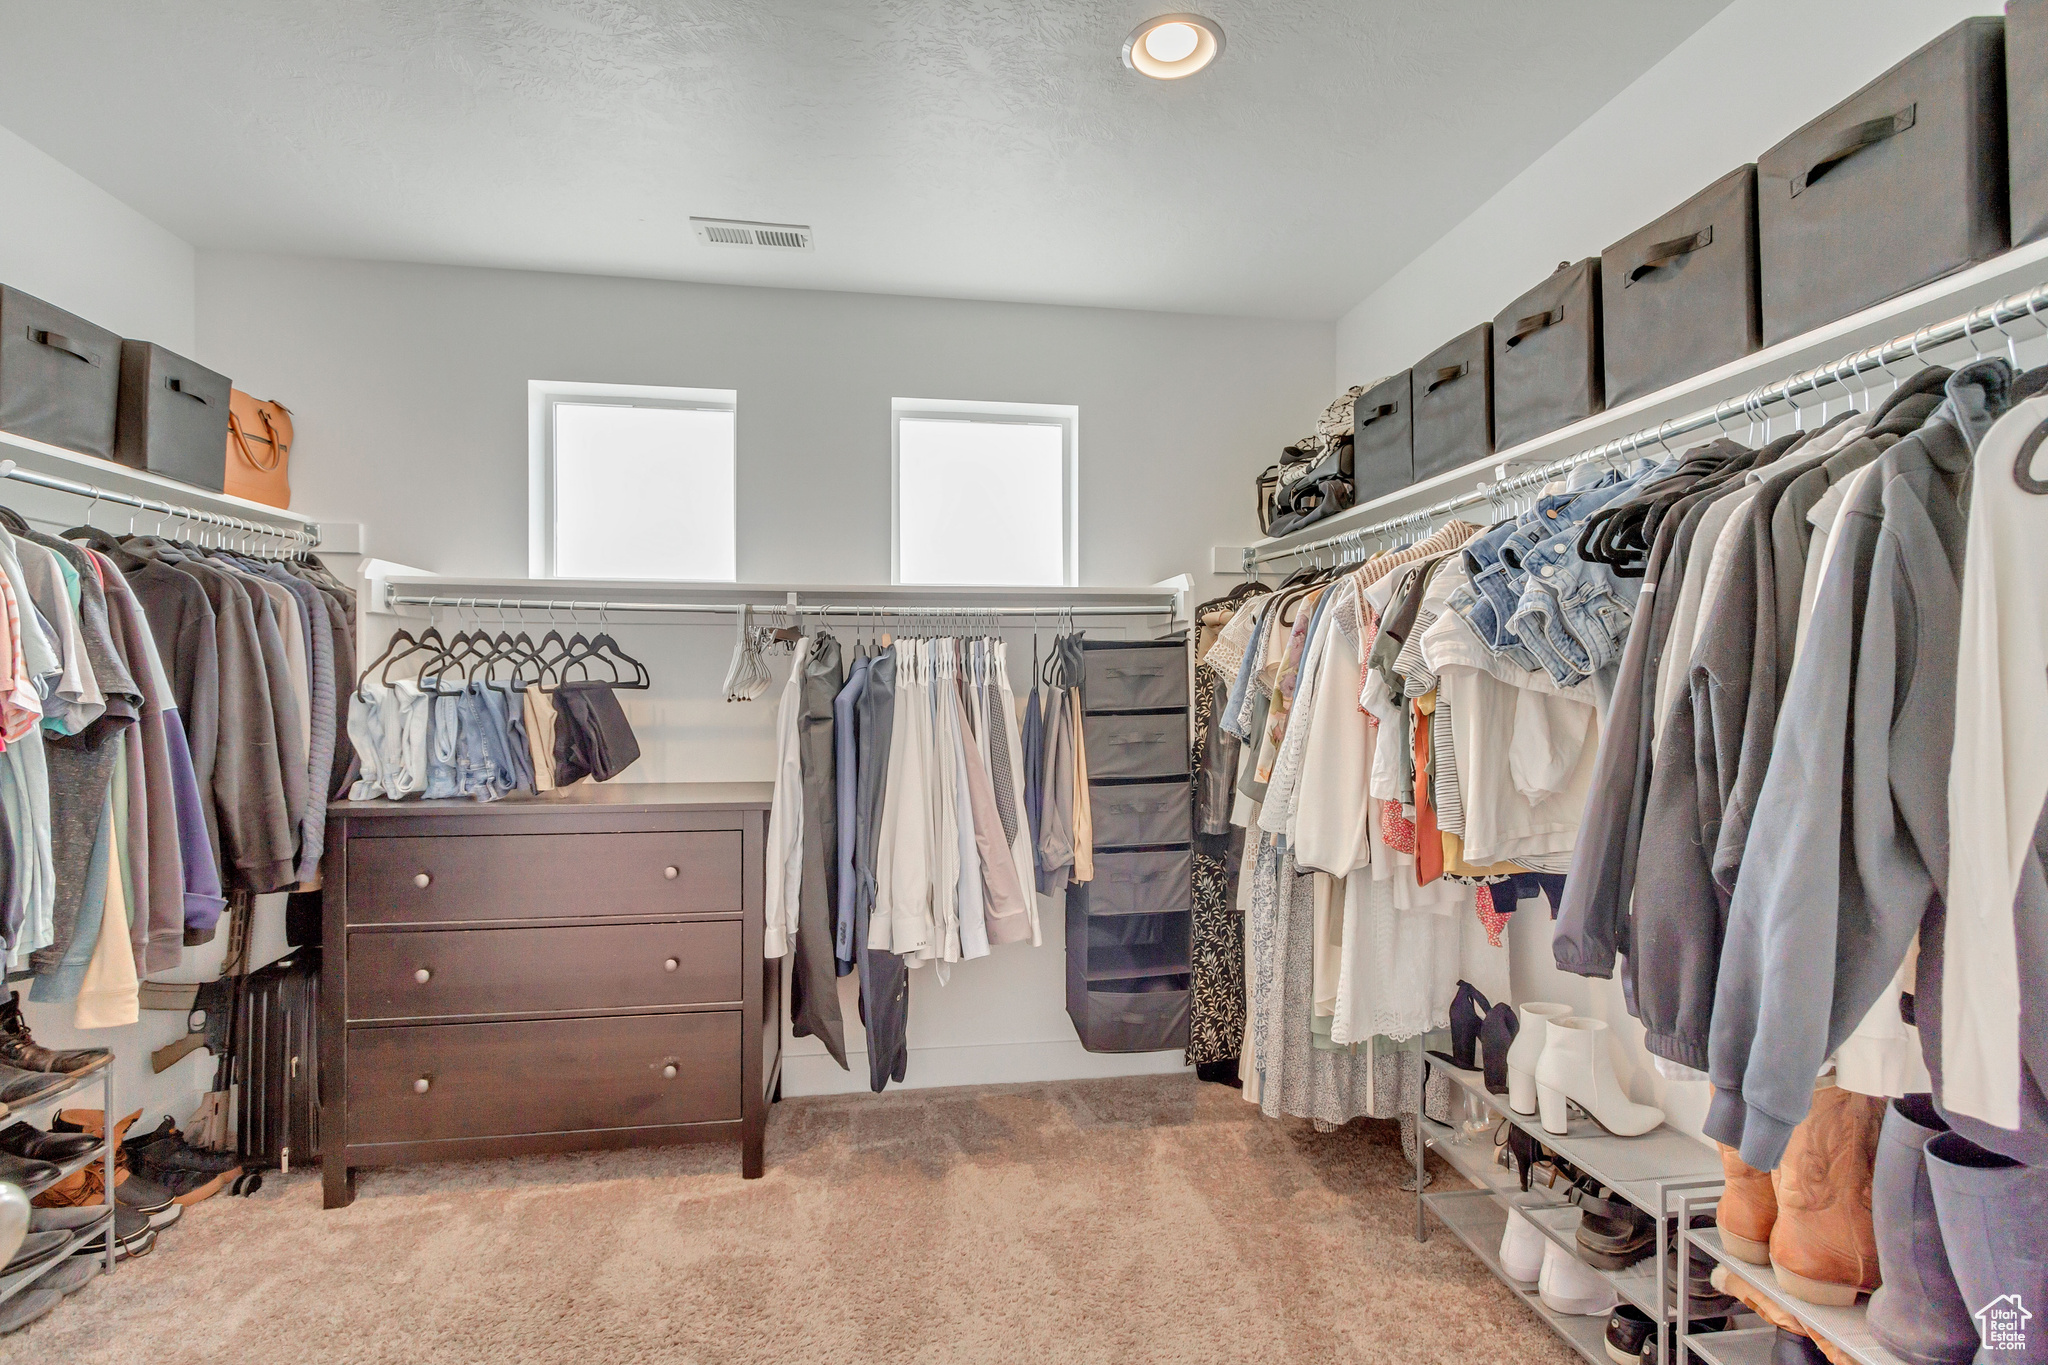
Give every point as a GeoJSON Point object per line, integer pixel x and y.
{"type": "Point", "coordinates": [1833, 887]}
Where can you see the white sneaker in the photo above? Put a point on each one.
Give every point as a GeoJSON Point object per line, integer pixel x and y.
{"type": "Point", "coordinates": [1521, 1249]}
{"type": "Point", "coordinates": [1566, 1286]}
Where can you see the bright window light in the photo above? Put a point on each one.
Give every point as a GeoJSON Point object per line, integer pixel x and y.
{"type": "Point", "coordinates": [981, 499]}
{"type": "Point", "coordinates": [642, 491]}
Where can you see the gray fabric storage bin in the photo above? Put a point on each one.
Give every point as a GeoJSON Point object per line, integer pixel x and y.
{"type": "Point", "coordinates": [1546, 356]}
{"type": "Point", "coordinates": [60, 376]}
{"type": "Point", "coordinates": [1133, 815]}
{"type": "Point", "coordinates": [172, 417]}
{"type": "Point", "coordinates": [1140, 745]}
{"type": "Point", "coordinates": [1383, 437]}
{"type": "Point", "coordinates": [2026, 116]}
{"type": "Point", "coordinates": [1135, 947]}
{"type": "Point", "coordinates": [1678, 296]}
{"type": "Point", "coordinates": [1133, 1016]}
{"type": "Point", "coordinates": [1453, 387]}
{"type": "Point", "coordinates": [1132, 676]}
{"type": "Point", "coordinates": [1902, 183]}
{"type": "Point", "coordinates": [1142, 883]}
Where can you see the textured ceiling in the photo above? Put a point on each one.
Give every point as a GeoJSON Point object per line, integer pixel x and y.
{"type": "Point", "coordinates": [962, 148]}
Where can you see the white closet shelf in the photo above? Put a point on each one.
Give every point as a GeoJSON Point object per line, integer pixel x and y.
{"type": "Point", "coordinates": [90, 469]}
{"type": "Point", "coordinates": [2018, 269]}
{"type": "Point", "coordinates": [965, 596]}
{"type": "Point", "coordinates": [404, 592]}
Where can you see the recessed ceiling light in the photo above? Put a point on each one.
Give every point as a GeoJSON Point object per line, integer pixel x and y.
{"type": "Point", "coordinates": [1173, 45]}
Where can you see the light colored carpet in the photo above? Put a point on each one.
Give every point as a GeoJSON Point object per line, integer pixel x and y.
{"type": "Point", "coordinates": [1143, 1219]}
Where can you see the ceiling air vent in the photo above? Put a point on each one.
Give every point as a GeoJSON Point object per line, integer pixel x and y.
{"type": "Point", "coordinates": [735, 232]}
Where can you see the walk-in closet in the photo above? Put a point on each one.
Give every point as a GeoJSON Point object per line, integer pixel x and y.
{"type": "Point", "coordinates": [1043, 681]}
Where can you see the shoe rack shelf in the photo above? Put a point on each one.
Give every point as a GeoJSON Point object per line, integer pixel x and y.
{"type": "Point", "coordinates": [1549, 1214]}
{"type": "Point", "coordinates": [1745, 1346]}
{"type": "Point", "coordinates": [1478, 1218]}
{"type": "Point", "coordinates": [11, 1285]}
{"type": "Point", "coordinates": [1656, 1172]}
{"type": "Point", "coordinates": [1847, 1328]}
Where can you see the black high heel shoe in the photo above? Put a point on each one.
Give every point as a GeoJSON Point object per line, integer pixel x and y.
{"type": "Point", "coordinates": [1468, 1013]}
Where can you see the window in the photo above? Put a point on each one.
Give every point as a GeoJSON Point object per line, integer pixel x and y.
{"type": "Point", "coordinates": [985, 493]}
{"type": "Point", "coordinates": [629, 481]}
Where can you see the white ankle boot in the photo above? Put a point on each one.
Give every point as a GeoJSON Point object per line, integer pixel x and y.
{"type": "Point", "coordinates": [1526, 1048]}
{"type": "Point", "coordinates": [1575, 1066]}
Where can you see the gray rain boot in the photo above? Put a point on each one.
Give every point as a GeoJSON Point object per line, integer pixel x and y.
{"type": "Point", "coordinates": [1992, 1211]}
{"type": "Point", "coordinates": [1917, 1312]}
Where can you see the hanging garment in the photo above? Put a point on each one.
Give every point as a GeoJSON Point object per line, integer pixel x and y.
{"type": "Point", "coordinates": [1216, 1018]}
{"type": "Point", "coordinates": [846, 780]}
{"type": "Point", "coordinates": [1994, 1041]}
{"type": "Point", "coordinates": [592, 735]}
{"type": "Point", "coordinates": [884, 977]}
{"type": "Point", "coordinates": [813, 988]}
{"type": "Point", "coordinates": [786, 815]}
{"type": "Point", "coordinates": [1838, 926]}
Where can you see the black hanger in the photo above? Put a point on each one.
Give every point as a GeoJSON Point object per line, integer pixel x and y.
{"type": "Point", "coordinates": [429, 639]}
{"type": "Point", "coordinates": [642, 679]}
{"type": "Point", "coordinates": [398, 637]}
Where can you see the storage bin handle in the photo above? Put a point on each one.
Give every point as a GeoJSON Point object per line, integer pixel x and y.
{"type": "Point", "coordinates": [57, 341]}
{"type": "Point", "coordinates": [1666, 252]}
{"type": "Point", "coordinates": [1534, 323]}
{"type": "Point", "coordinates": [1383, 410]}
{"type": "Point", "coordinates": [1865, 134]}
{"type": "Point", "coordinates": [1447, 374]}
{"type": "Point", "coordinates": [176, 385]}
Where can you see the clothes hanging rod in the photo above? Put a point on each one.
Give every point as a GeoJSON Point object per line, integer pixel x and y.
{"type": "Point", "coordinates": [964, 611]}
{"type": "Point", "coordinates": [2032, 305]}
{"type": "Point", "coordinates": [307, 536]}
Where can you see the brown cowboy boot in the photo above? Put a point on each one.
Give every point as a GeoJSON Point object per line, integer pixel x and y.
{"type": "Point", "coordinates": [19, 1049]}
{"type": "Point", "coordinates": [1748, 1209]}
{"type": "Point", "coordinates": [1824, 1248]}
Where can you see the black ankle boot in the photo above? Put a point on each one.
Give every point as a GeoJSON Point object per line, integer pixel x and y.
{"type": "Point", "coordinates": [1468, 1012]}
{"type": "Point", "coordinates": [1496, 1035]}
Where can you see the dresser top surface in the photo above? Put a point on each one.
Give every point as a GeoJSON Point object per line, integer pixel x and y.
{"type": "Point", "coordinates": [651, 796]}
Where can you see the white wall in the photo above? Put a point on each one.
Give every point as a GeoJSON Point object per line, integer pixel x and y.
{"type": "Point", "coordinates": [67, 241]}
{"type": "Point", "coordinates": [408, 385]}
{"type": "Point", "coordinates": [1754, 73]}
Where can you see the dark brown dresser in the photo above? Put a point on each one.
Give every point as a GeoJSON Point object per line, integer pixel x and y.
{"type": "Point", "coordinates": [577, 970]}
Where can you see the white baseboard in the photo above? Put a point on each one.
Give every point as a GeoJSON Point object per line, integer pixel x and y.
{"type": "Point", "coordinates": [975, 1064]}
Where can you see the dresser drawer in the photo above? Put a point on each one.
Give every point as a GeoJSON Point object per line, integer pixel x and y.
{"type": "Point", "coordinates": [543, 876]}
{"type": "Point", "coordinates": [419, 1083]}
{"type": "Point", "coordinates": [443, 973]}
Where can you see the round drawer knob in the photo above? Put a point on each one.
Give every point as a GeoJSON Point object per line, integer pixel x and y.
{"type": "Point", "coordinates": [668, 1073]}
{"type": "Point", "coordinates": [423, 976]}
{"type": "Point", "coordinates": [421, 880]}
{"type": "Point", "coordinates": [419, 1087]}
{"type": "Point", "coordinates": [670, 965]}
{"type": "Point", "coordinates": [669, 873]}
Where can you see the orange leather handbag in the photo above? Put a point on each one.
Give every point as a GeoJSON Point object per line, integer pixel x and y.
{"type": "Point", "coordinates": [259, 450]}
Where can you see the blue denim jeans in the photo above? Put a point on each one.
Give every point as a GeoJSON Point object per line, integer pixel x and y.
{"type": "Point", "coordinates": [1573, 612]}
